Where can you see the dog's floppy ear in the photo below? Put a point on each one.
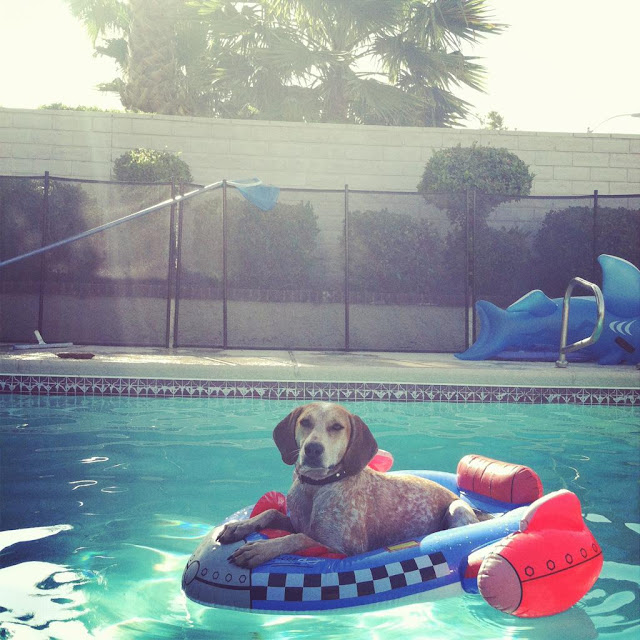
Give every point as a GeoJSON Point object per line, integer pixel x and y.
{"type": "Point", "coordinates": [362, 446]}
{"type": "Point", "coordinates": [284, 435]}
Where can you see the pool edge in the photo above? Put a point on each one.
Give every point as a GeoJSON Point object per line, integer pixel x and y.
{"type": "Point", "coordinates": [309, 390]}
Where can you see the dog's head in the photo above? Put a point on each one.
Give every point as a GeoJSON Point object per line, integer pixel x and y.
{"type": "Point", "coordinates": [322, 438]}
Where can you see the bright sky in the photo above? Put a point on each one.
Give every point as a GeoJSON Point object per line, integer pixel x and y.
{"type": "Point", "coordinates": [563, 65]}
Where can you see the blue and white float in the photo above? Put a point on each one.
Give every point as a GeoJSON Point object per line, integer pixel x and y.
{"type": "Point", "coordinates": [443, 564]}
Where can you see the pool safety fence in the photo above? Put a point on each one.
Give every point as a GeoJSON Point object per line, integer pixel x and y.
{"type": "Point", "coordinates": [325, 269]}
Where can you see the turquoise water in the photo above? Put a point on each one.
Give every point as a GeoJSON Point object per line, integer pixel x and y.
{"type": "Point", "coordinates": [102, 500]}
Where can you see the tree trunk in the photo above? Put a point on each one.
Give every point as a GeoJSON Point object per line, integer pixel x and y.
{"type": "Point", "coordinates": [335, 106]}
{"type": "Point", "coordinates": [153, 82]}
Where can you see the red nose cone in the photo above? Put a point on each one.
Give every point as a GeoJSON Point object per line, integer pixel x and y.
{"type": "Point", "coordinates": [546, 567]}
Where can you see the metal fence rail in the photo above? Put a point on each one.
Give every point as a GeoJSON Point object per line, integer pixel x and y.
{"type": "Point", "coordinates": [327, 269]}
{"type": "Point", "coordinates": [109, 225]}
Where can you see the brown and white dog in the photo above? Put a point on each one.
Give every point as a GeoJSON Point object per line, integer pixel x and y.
{"type": "Point", "coordinates": [336, 500]}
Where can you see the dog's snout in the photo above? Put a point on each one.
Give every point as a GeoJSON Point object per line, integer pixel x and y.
{"type": "Point", "coordinates": [313, 450]}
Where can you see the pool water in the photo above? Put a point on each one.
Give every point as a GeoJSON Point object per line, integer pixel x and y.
{"type": "Point", "coordinates": [104, 499]}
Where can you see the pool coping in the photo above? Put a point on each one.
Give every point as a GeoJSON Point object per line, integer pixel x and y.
{"type": "Point", "coordinates": [307, 376]}
{"type": "Point", "coordinates": [308, 391]}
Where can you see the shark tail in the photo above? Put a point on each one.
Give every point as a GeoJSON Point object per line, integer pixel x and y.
{"type": "Point", "coordinates": [620, 286]}
{"type": "Point", "coordinates": [492, 337]}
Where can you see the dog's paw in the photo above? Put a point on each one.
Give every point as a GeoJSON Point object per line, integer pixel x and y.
{"type": "Point", "coordinates": [234, 531]}
{"type": "Point", "coordinates": [252, 554]}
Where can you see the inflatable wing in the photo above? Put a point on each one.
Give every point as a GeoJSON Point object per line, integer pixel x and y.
{"type": "Point", "coordinates": [533, 322]}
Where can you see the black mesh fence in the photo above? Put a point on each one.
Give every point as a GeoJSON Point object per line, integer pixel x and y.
{"type": "Point", "coordinates": [324, 269]}
{"type": "Point", "coordinates": [200, 292]}
{"type": "Point", "coordinates": [286, 271]}
{"type": "Point", "coordinates": [406, 274]}
{"type": "Point", "coordinates": [543, 242]}
{"type": "Point", "coordinates": [110, 288]}
{"type": "Point", "coordinates": [22, 208]}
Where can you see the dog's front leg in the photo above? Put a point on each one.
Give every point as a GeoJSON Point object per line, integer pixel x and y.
{"type": "Point", "coordinates": [271, 518]}
{"type": "Point", "coordinates": [255, 553]}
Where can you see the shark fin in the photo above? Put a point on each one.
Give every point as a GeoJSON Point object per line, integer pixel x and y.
{"type": "Point", "coordinates": [620, 286]}
{"type": "Point", "coordinates": [536, 303]}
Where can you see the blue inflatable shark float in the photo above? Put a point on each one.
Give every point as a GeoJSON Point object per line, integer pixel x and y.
{"type": "Point", "coordinates": [532, 324]}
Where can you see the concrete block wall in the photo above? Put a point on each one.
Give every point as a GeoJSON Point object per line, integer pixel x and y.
{"type": "Point", "coordinates": [84, 145]}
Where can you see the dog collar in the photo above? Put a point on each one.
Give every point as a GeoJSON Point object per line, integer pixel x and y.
{"type": "Point", "coordinates": [335, 477]}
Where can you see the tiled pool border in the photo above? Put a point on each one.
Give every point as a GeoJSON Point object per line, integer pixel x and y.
{"type": "Point", "coordinates": [309, 391]}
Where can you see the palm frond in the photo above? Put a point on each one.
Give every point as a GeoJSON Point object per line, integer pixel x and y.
{"type": "Point", "coordinates": [449, 22]}
{"type": "Point", "coordinates": [434, 66]}
{"type": "Point", "coordinates": [101, 17]}
{"type": "Point", "coordinates": [377, 102]}
{"type": "Point", "coordinates": [290, 56]}
{"type": "Point", "coordinates": [115, 48]}
{"type": "Point", "coordinates": [230, 23]}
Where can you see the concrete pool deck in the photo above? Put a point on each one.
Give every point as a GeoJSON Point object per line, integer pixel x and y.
{"type": "Point", "coordinates": [316, 366]}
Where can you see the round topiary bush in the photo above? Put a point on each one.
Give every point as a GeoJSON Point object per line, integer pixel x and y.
{"type": "Point", "coordinates": [451, 172]}
{"type": "Point", "coordinates": [499, 176]}
{"type": "Point", "coordinates": [148, 165]}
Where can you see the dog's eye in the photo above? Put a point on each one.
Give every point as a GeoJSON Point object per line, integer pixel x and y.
{"type": "Point", "coordinates": [305, 423]}
{"type": "Point", "coordinates": [336, 427]}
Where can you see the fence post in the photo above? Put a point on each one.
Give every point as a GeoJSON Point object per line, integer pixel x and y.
{"type": "Point", "coordinates": [469, 284]}
{"type": "Point", "coordinates": [171, 300]}
{"type": "Point", "coordinates": [43, 261]}
{"type": "Point", "coordinates": [178, 271]}
{"type": "Point", "coordinates": [474, 208]}
{"type": "Point", "coordinates": [346, 268]}
{"type": "Point", "coordinates": [224, 264]}
{"type": "Point", "coordinates": [594, 245]}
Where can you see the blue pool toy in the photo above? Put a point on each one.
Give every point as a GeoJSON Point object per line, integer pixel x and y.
{"type": "Point", "coordinates": [532, 324]}
{"type": "Point", "coordinates": [533, 557]}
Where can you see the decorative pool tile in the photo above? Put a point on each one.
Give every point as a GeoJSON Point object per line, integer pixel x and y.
{"type": "Point", "coordinates": [310, 391]}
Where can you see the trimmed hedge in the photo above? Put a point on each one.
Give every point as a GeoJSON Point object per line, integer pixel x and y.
{"type": "Point", "coordinates": [451, 172]}
{"type": "Point", "coordinates": [272, 249]}
{"type": "Point", "coordinates": [393, 253]}
{"type": "Point", "coordinates": [21, 210]}
{"type": "Point", "coordinates": [564, 245]}
{"type": "Point", "coordinates": [148, 165]}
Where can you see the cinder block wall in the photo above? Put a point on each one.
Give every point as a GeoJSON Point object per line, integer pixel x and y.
{"type": "Point", "coordinates": [85, 144]}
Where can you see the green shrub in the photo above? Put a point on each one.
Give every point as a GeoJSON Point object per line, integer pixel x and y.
{"type": "Point", "coordinates": [147, 165]}
{"type": "Point", "coordinates": [502, 259]}
{"type": "Point", "coordinates": [503, 264]}
{"type": "Point", "coordinates": [565, 245]}
{"type": "Point", "coordinates": [271, 249]}
{"type": "Point", "coordinates": [450, 173]}
{"type": "Point", "coordinates": [393, 253]}
{"type": "Point", "coordinates": [21, 210]}
{"type": "Point", "coordinates": [59, 106]}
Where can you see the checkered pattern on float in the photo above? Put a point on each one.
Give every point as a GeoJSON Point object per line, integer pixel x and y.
{"type": "Point", "coordinates": [316, 587]}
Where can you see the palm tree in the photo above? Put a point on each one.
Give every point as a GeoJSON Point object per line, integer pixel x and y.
{"type": "Point", "coordinates": [359, 61]}
{"type": "Point", "coordinates": [362, 61]}
{"type": "Point", "coordinates": [159, 46]}
{"type": "Point", "coordinates": [152, 76]}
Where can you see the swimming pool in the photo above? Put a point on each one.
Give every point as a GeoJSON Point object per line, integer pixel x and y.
{"type": "Point", "coordinates": [103, 499]}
